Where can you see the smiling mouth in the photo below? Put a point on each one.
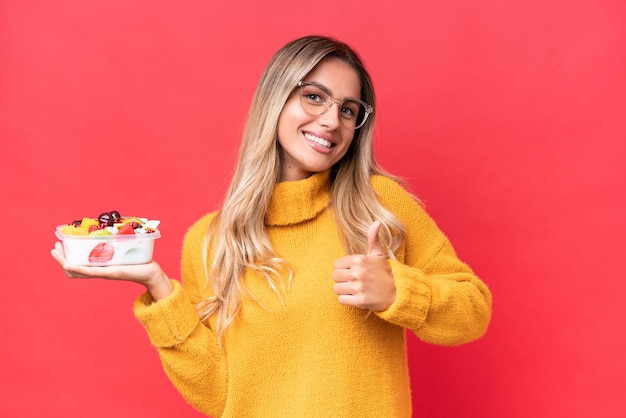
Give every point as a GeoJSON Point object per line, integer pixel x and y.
{"type": "Point", "coordinates": [318, 140]}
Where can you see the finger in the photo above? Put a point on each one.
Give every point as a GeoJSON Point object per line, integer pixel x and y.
{"type": "Point", "coordinates": [342, 289]}
{"type": "Point", "coordinates": [340, 276]}
{"type": "Point", "coordinates": [374, 245]}
{"type": "Point", "coordinates": [59, 248]}
{"type": "Point", "coordinates": [58, 254]}
{"type": "Point", "coordinates": [350, 300]}
{"type": "Point", "coordinates": [344, 262]}
{"type": "Point", "coordinates": [103, 272]}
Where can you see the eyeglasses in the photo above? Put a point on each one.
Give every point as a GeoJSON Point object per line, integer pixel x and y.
{"type": "Point", "coordinates": [317, 99]}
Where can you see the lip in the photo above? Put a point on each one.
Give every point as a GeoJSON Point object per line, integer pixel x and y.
{"type": "Point", "coordinates": [319, 142]}
{"type": "Point", "coordinates": [322, 136]}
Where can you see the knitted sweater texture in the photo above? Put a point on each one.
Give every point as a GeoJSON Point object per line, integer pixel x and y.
{"type": "Point", "coordinates": [310, 356]}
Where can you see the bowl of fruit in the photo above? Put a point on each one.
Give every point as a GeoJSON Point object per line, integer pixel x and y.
{"type": "Point", "coordinates": [110, 239]}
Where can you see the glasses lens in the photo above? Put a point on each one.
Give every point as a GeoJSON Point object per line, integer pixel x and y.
{"type": "Point", "coordinates": [315, 101]}
{"type": "Point", "coordinates": [352, 113]}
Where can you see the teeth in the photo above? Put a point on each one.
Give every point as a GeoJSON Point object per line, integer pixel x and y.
{"type": "Point", "coordinates": [319, 141]}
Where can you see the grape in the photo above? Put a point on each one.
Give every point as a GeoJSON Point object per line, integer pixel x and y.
{"type": "Point", "coordinates": [105, 219]}
{"type": "Point", "coordinates": [115, 215]}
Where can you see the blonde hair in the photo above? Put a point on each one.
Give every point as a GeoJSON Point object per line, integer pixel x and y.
{"type": "Point", "coordinates": [237, 237]}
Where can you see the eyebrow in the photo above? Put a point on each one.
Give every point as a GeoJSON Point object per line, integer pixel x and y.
{"type": "Point", "coordinates": [327, 90]}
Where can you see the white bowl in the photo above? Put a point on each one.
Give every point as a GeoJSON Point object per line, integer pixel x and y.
{"type": "Point", "coordinates": [108, 250]}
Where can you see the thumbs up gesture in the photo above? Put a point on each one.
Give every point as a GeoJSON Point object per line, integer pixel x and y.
{"type": "Point", "coordinates": [365, 280]}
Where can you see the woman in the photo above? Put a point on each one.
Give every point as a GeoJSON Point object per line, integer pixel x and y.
{"type": "Point", "coordinates": [296, 294]}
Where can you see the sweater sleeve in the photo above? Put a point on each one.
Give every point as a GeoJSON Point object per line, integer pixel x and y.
{"type": "Point", "coordinates": [188, 348]}
{"type": "Point", "coordinates": [438, 296]}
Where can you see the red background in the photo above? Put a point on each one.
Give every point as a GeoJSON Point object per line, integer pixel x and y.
{"type": "Point", "coordinates": [507, 118]}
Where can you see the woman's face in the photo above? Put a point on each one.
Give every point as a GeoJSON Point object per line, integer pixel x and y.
{"type": "Point", "coordinates": [314, 143]}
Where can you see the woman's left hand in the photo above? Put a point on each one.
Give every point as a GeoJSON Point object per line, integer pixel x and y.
{"type": "Point", "coordinates": [365, 280]}
{"type": "Point", "coordinates": [149, 275]}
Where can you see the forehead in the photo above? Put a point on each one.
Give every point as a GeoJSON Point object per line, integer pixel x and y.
{"type": "Point", "coordinates": [337, 76]}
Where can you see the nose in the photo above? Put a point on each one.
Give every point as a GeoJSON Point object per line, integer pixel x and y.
{"type": "Point", "coordinates": [329, 117]}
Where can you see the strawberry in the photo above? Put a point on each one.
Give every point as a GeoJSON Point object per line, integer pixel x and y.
{"type": "Point", "coordinates": [126, 229]}
{"type": "Point", "coordinates": [101, 253]}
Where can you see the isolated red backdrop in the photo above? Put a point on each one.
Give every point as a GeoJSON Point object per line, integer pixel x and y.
{"type": "Point", "coordinates": [507, 119]}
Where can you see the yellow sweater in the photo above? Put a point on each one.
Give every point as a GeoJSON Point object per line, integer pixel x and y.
{"type": "Point", "coordinates": [314, 357]}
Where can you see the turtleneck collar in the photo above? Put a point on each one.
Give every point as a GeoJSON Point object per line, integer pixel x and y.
{"type": "Point", "coordinates": [297, 201]}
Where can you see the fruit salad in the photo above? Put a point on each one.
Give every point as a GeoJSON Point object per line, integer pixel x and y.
{"type": "Point", "coordinates": [109, 239]}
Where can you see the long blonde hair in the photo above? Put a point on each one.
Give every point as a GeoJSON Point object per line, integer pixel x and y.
{"type": "Point", "coordinates": [237, 238]}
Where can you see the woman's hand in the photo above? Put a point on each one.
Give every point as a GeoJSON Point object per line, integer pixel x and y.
{"type": "Point", "coordinates": [365, 280]}
{"type": "Point", "coordinates": [150, 275]}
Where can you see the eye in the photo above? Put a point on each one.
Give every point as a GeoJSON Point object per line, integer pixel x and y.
{"type": "Point", "coordinates": [347, 112]}
{"type": "Point", "coordinates": [314, 95]}
{"type": "Point", "coordinates": [350, 109]}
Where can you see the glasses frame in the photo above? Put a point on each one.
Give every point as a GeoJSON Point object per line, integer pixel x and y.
{"type": "Point", "coordinates": [325, 106]}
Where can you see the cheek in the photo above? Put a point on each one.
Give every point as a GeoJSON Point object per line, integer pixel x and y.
{"type": "Point", "coordinates": [284, 128]}
{"type": "Point", "coordinates": [347, 144]}
{"type": "Point", "coordinates": [281, 126]}
{"type": "Point", "coordinates": [292, 110]}
{"type": "Point", "coordinates": [348, 140]}
{"type": "Point", "coordinates": [289, 118]}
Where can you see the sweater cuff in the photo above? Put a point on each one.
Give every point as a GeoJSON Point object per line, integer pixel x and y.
{"type": "Point", "coordinates": [413, 296]}
{"type": "Point", "coordinates": [169, 321]}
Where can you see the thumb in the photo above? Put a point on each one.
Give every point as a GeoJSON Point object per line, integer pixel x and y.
{"type": "Point", "coordinates": [374, 245]}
